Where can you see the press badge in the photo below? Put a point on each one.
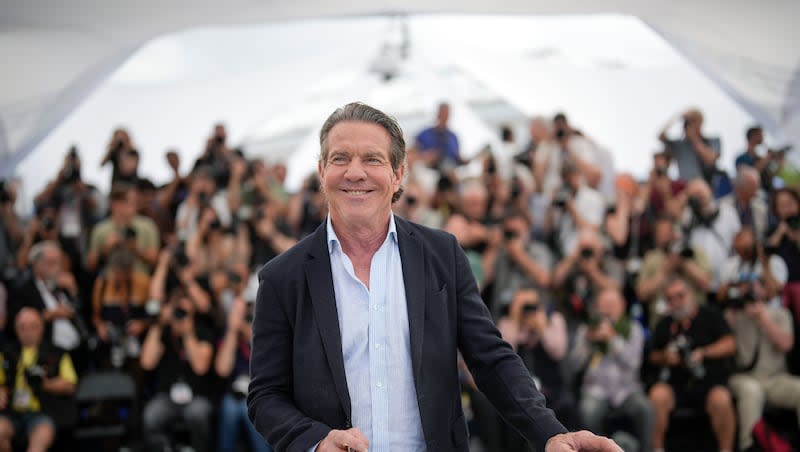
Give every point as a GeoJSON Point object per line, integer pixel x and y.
{"type": "Point", "coordinates": [181, 393]}
{"type": "Point", "coordinates": [22, 398]}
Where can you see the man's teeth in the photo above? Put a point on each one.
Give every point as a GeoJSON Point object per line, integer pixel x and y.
{"type": "Point", "coordinates": [357, 192]}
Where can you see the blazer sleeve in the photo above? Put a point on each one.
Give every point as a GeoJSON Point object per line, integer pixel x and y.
{"type": "Point", "coordinates": [269, 400]}
{"type": "Point", "coordinates": [496, 368]}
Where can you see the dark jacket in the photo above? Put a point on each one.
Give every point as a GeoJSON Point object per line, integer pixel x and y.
{"type": "Point", "coordinates": [298, 391]}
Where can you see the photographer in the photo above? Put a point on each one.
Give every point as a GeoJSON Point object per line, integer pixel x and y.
{"type": "Point", "coordinates": [307, 208]}
{"type": "Point", "coordinates": [179, 352]}
{"type": "Point", "coordinates": [232, 364]}
{"type": "Point", "coordinates": [695, 154]}
{"type": "Point", "coordinates": [745, 200]}
{"type": "Point", "coordinates": [118, 309]}
{"type": "Point", "coordinates": [609, 349]}
{"type": "Point", "coordinates": [750, 263]}
{"type": "Point", "coordinates": [585, 272]}
{"type": "Point", "coordinates": [268, 234]}
{"type": "Point", "coordinates": [574, 207]}
{"type": "Point", "coordinates": [76, 207]}
{"type": "Point", "coordinates": [521, 262]}
{"type": "Point", "coordinates": [124, 229]}
{"type": "Point", "coordinates": [37, 381]}
{"type": "Point", "coordinates": [119, 145]}
{"type": "Point", "coordinates": [710, 225]}
{"type": "Point", "coordinates": [784, 240]}
{"type": "Point", "coordinates": [559, 146]}
{"type": "Point", "coordinates": [53, 292]}
{"type": "Point", "coordinates": [202, 194]}
{"type": "Point", "coordinates": [764, 335]}
{"type": "Point", "coordinates": [669, 257]}
{"type": "Point", "coordinates": [212, 244]}
{"type": "Point", "coordinates": [691, 346]}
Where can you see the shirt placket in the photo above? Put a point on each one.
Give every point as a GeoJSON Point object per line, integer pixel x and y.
{"type": "Point", "coordinates": [378, 353]}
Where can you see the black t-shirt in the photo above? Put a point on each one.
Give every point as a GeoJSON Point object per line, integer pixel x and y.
{"type": "Point", "coordinates": [707, 327]}
{"type": "Point", "coordinates": [174, 365]}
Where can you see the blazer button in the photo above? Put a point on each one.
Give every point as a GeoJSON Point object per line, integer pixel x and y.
{"type": "Point", "coordinates": [347, 425]}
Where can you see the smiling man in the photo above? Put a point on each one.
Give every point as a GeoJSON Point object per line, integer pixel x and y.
{"type": "Point", "coordinates": [357, 327]}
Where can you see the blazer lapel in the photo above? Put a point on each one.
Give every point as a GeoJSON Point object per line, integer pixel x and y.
{"type": "Point", "coordinates": [413, 262]}
{"type": "Point", "coordinates": [323, 300]}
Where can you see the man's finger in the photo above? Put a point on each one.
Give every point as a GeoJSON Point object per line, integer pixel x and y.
{"type": "Point", "coordinates": [350, 440]}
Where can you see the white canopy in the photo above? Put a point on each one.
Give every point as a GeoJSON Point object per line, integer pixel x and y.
{"type": "Point", "coordinates": [58, 53]}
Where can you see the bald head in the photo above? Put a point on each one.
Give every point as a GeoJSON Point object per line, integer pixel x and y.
{"type": "Point", "coordinates": [747, 182]}
{"type": "Point", "coordinates": [29, 326]}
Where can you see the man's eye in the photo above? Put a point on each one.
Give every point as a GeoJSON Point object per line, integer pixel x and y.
{"type": "Point", "coordinates": [338, 159]}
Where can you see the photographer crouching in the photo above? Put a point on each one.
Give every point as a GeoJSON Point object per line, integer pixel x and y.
{"type": "Point", "coordinates": [692, 345]}
{"type": "Point", "coordinates": [37, 381]}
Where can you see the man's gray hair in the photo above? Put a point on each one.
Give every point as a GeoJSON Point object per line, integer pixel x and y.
{"type": "Point", "coordinates": [37, 251]}
{"type": "Point", "coordinates": [360, 112]}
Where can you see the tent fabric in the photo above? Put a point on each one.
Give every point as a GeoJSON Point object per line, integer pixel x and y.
{"type": "Point", "coordinates": [57, 53]}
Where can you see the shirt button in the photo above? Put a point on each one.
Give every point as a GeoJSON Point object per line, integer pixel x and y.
{"type": "Point", "coordinates": [377, 346]}
{"type": "Point", "coordinates": [379, 384]}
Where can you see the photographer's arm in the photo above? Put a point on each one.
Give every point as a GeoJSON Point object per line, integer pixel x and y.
{"type": "Point", "coordinates": [152, 349]}
{"type": "Point", "coordinates": [563, 269]}
{"type": "Point", "coordinates": [697, 275]}
{"type": "Point", "coordinates": [541, 276]}
{"type": "Point", "coordinates": [599, 278]}
{"type": "Point", "coordinates": [772, 286]}
{"type": "Point", "coordinates": [223, 363]}
{"type": "Point", "coordinates": [198, 353]}
{"type": "Point", "coordinates": [706, 153]}
{"type": "Point", "coordinates": [65, 382]}
{"type": "Point", "coordinates": [781, 338]}
{"type": "Point", "coordinates": [724, 347]}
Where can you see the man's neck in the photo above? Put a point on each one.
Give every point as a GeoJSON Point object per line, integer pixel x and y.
{"type": "Point", "coordinates": [121, 220]}
{"type": "Point", "coordinates": [360, 240]}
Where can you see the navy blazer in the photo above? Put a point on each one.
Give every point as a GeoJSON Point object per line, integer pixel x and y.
{"type": "Point", "coordinates": [298, 389]}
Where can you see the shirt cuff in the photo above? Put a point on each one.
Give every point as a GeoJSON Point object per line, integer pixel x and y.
{"type": "Point", "coordinates": [313, 448]}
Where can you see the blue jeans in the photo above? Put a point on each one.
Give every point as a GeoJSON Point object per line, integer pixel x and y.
{"type": "Point", "coordinates": [232, 414]}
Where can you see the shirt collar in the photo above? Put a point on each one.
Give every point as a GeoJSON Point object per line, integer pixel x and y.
{"type": "Point", "coordinates": [333, 240]}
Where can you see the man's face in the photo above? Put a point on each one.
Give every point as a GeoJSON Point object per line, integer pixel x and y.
{"type": "Point", "coordinates": [757, 137]}
{"type": "Point", "coordinates": [48, 266]}
{"type": "Point", "coordinates": [29, 327]}
{"type": "Point", "coordinates": [539, 131]}
{"type": "Point", "coordinates": [473, 204]}
{"type": "Point", "coordinates": [126, 207]}
{"type": "Point", "coordinates": [743, 244]}
{"type": "Point", "coordinates": [357, 176]}
{"type": "Point", "coordinates": [679, 299]}
{"type": "Point", "coordinates": [785, 206]}
{"type": "Point", "coordinates": [748, 188]}
{"type": "Point", "coordinates": [443, 115]}
{"type": "Point", "coordinates": [610, 305]}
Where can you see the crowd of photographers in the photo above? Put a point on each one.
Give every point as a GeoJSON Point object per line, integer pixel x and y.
{"type": "Point", "coordinates": [629, 301]}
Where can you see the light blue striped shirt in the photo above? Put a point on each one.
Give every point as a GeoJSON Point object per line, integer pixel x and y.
{"type": "Point", "coordinates": [376, 347]}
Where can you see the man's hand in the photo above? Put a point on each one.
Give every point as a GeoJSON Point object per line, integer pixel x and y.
{"type": "Point", "coordinates": [344, 440]}
{"type": "Point", "coordinates": [583, 441]}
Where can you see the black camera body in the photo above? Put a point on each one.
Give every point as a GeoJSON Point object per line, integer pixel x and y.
{"type": "Point", "coordinates": [793, 222]}
{"type": "Point", "coordinates": [684, 348]}
{"type": "Point", "coordinates": [739, 297]}
{"type": "Point", "coordinates": [560, 198]}
{"type": "Point", "coordinates": [35, 376]}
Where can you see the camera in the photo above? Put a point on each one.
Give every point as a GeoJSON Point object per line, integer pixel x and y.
{"type": "Point", "coordinates": [129, 233]}
{"type": "Point", "coordinates": [509, 234]}
{"type": "Point", "coordinates": [34, 376]}
{"type": "Point", "coordinates": [740, 296]}
{"type": "Point", "coordinates": [215, 225]}
{"type": "Point", "coordinates": [561, 133]}
{"type": "Point", "coordinates": [529, 308]}
{"type": "Point", "coordinates": [202, 198]}
{"type": "Point", "coordinates": [661, 171]}
{"type": "Point", "coordinates": [410, 200]}
{"type": "Point", "coordinates": [793, 222]}
{"type": "Point", "coordinates": [587, 253]}
{"type": "Point", "coordinates": [48, 223]}
{"type": "Point", "coordinates": [179, 314]}
{"type": "Point", "coordinates": [560, 198]}
{"type": "Point", "coordinates": [684, 348]}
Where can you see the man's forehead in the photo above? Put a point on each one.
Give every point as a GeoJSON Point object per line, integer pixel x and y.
{"type": "Point", "coordinates": [358, 136]}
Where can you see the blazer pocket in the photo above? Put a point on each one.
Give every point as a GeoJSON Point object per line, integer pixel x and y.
{"type": "Point", "coordinates": [458, 431]}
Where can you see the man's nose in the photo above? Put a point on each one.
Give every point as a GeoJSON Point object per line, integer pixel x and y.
{"type": "Point", "coordinates": [355, 170]}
